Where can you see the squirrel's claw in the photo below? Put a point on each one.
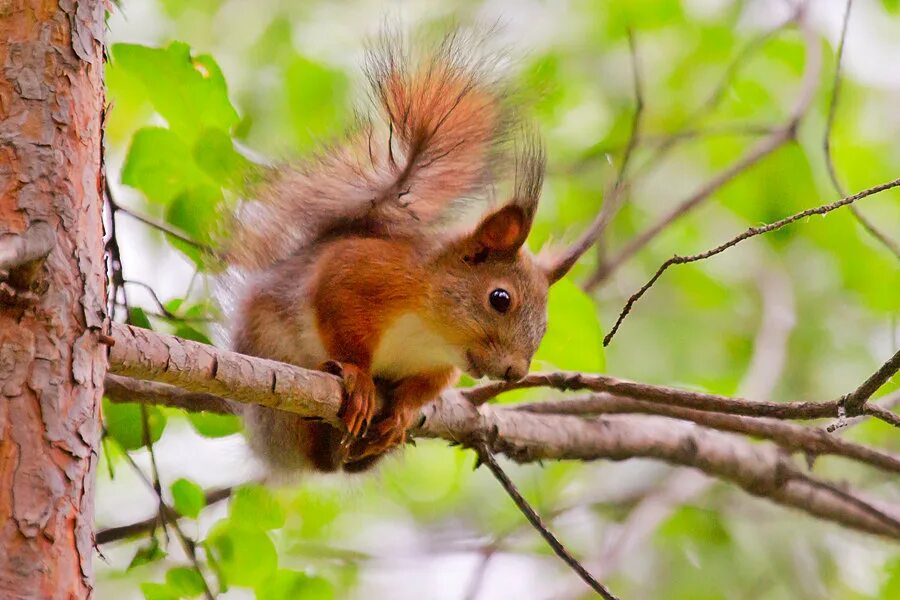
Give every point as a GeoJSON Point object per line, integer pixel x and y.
{"type": "Point", "coordinates": [358, 403]}
{"type": "Point", "coordinates": [382, 436]}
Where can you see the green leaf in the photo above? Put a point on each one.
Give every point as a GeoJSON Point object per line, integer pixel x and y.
{"type": "Point", "coordinates": [212, 425]}
{"type": "Point", "coordinates": [189, 498]}
{"type": "Point", "coordinates": [185, 581]}
{"type": "Point", "coordinates": [158, 591]}
{"type": "Point", "coordinates": [891, 587]}
{"type": "Point", "coordinates": [195, 211]}
{"type": "Point", "coordinates": [254, 506]}
{"type": "Point", "coordinates": [188, 92]}
{"type": "Point", "coordinates": [138, 318]}
{"type": "Point", "coordinates": [316, 99]}
{"type": "Point", "coordinates": [689, 523]}
{"type": "Point", "coordinates": [891, 6]}
{"type": "Point", "coordinates": [574, 339]}
{"type": "Point", "coordinates": [129, 106]}
{"type": "Point", "coordinates": [294, 585]}
{"type": "Point", "coordinates": [147, 553]}
{"type": "Point", "coordinates": [123, 423]}
{"type": "Point", "coordinates": [244, 556]}
{"type": "Point", "coordinates": [428, 480]}
{"type": "Point", "coordinates": [214, 152]}
{"type": "Point", "coordinates": [160, 165]}
{"type": "Point", "coordinates": [189, 333]}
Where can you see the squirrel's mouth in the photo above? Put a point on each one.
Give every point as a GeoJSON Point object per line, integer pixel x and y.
{"type": "Point", "coordinates": [472, 367]}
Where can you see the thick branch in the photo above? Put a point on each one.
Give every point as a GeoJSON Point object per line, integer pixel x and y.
{"type": "Point", "coordinates": [760, 469]}
{"type": "Point", "coordinates": [144, 354]}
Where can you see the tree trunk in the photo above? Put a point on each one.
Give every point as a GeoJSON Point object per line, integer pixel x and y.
{"type": "Point", "coordinates": [52, 293]}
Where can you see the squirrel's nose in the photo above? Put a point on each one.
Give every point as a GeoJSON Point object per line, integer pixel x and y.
{"type": "Point", "coordinates": [516, 371]}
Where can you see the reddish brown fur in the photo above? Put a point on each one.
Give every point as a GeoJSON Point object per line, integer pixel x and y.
{"type": "Point", "coordinates": [343, 260]}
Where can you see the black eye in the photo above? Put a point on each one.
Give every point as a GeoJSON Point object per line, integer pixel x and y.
{"type": "Point", "coordinates": [500, 300]}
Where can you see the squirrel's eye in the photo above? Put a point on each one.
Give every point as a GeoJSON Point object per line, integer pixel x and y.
{"type": "Point", "coordinates": [500, 300]}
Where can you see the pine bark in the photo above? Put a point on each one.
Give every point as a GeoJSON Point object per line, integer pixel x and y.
{"type": "Point", "coordinates": [52, 305]}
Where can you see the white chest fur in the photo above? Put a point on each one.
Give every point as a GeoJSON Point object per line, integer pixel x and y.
{"type": "Point", "coordinates": [409, 347]}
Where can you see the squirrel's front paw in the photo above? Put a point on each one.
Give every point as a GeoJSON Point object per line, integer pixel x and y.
{"type": "Point", "coordinates": [388, 432]}
{"type": "Point", "coordinates": [358, 404]}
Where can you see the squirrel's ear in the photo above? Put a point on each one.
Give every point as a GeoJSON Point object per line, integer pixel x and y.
{"type": "Point", "coordinates": [502, 231]}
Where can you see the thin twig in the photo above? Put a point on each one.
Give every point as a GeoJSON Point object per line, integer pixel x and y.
{"type": "Point", "coordinates": [187, 544]}
{"type": "Point", "coordinates": [173, 318]}
{"type": "Point", "coordinates": [672, 396]}
{"type": "Point", "coordinates": [163, 227]}
{"type": "Point", "coordinates": [749, 233]}
{"type": "Point", "coordinates": [614, 198]}
{"type": "Point", "coordinates": [764, 148]}
{"type": "Point", "coordinates": [796, 438]}
{"type": "Point", "coordinates": [120, 532]}
{"type": "Point", "coordinates": [855, 401]}
{"type": "Point", "coordinates": [486, 457]}
{"type": "Point", "coordinates": [886, 404]}
{"type": "Point", "coordinates": [712, 101]}
{"type": "Point", "coordinates": [480, 571]}
{"type": "Point", "coordinates": [826, 143]}
{"type": "Point", "coordinates": [114, 259]}
{"type": "Point", "coordinates": [867, 507]}
{"type": "Point", "coordinates": [159, 304]}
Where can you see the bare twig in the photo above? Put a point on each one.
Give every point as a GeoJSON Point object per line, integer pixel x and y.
{"type": "Point", "coordinates": [614, 198]}
{"type": "Point", "coordinates": [480, 571]}
{"type": "Point", "coordinates": [762, 375]}
{"type": "Point", "coordinates": [854, 401]}
{"type": "Point", "coordinates": [149, 289]}
{"type": "Point", "coordinates": [796, 438]}
{"type": "Point", "coordinates": [749, 233]}
{"type": "Point", "coordinates": [826, 143]}
{"type": "Point", "coordinates": [655, 393]}
{"type": "Point", "coordinates": [715, 97]}
{"type": "Point", "coordinates": [173, 318]}
{"type": "Point", "coordinates": [159, 225]}
{"type": "Point", "coordinates": [187, 544]}
{"type": "Point", "coordinates": [166, 515]}
{"type": "Point", "coordinates": [886, 403]}
{"type": "Point", "coordinates": [764, 148]}
{"type": "Point", "coordinates": [485, 456]}
{"type": "Point", "coordinates": [125, 389]}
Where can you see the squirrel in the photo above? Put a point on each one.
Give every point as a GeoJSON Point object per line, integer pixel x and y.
{"type": "Point", "coordinates": [355, 261]}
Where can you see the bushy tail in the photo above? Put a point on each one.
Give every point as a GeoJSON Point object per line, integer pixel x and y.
{"type": "Point", "coordinates": [436, 140]}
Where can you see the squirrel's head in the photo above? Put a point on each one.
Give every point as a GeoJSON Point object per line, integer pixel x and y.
{"type": "Point", "coordinates": [490, 295]}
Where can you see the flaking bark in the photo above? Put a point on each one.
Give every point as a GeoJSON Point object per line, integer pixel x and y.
{"type": "Point", "coordinates": [51, 364]}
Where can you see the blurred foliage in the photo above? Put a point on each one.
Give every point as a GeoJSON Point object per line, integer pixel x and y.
{"type": "Point", "coordinates": [200, 91]}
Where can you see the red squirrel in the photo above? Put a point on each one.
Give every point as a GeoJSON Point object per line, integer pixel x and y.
{"type": "Point", "coordinates": [355, 263]}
